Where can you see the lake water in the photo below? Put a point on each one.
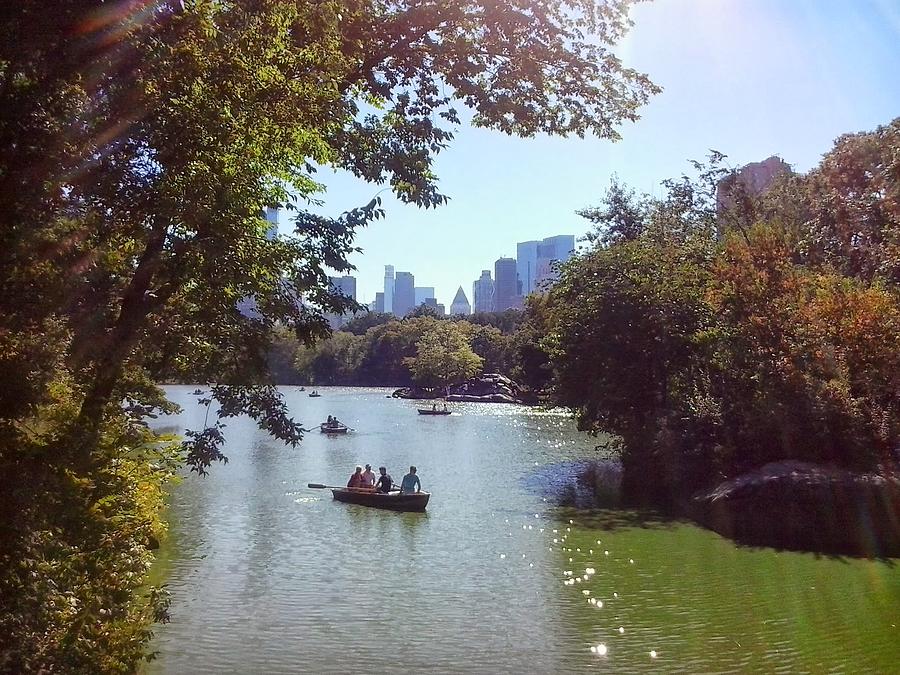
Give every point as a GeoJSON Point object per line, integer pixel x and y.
{"type": "Point", "coordinates": [269, 576]}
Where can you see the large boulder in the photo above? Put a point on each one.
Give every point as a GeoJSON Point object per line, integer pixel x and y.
{"type": "Point", "coordinates": [415, 393]}
{"type": "Point", "coordinates": [489, 387]}
{"type": "Point", "coordinates": [802, 506]}
{"type": "Point", "coordinates": [487, 398]}
{"type": "Point", "coordinates": [486, 388]}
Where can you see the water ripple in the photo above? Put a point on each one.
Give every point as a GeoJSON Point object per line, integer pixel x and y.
{"type": "Point", "coordinates": [269, 576]}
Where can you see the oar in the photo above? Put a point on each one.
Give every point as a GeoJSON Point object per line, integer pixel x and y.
{"type": "Point", "coordinates": [319, 486]}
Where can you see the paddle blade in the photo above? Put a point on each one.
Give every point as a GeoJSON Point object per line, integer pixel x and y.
{"type": "Point", "coordinates": [317, 486]}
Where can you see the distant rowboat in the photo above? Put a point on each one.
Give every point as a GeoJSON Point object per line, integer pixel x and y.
{"type": "Point", "coordinates": [333, 428]}
{"type": "Point", "coordinates": [431, 411]}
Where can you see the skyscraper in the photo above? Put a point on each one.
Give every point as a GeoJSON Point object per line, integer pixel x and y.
{"type": "Point", "coordinates": [345, 285]}
{"type": "Point", "coordinates": [404, 293]}
{"type": "Point", "coordinates": [551, 250]}
{"type": "Point", "coordinates": [483, 293]}
{"type": "Point", "coordinates": [505, 286]}
{"type": "Point", "coordinates": [435, 305]}
{"type": "Point", "coordinates": [247, 306]}
{"type": "Point", "coordinates": [423, 293]}
{"type": "Point", "coordinates": [388, 288]}
{"type": "Point", "coordinates": [272, 219]}
{"type": "Point", "coordinates": [526, 264]}
{"type": "Point", "coordinates": [460, 304]}
{"type": "Point", "coordinates": [751, 180]}
{"type": "Point", "coordinates": [378, 305]}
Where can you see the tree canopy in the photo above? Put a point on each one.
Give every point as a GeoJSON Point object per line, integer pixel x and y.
{"type": "Point", "coordinates": [140, 143]}
{"type": "Point", "coordinates": [712, 342]}
{"type": "Point", "coordinates": [158, 133]}
{"type": "Point", "coordinates": [444, 356]}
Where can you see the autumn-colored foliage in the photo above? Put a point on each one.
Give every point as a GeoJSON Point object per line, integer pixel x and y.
{"type": "Point", "coordinates": [713, 343]}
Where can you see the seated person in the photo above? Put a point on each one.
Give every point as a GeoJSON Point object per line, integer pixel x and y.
{"type": "Point", "coordinates": [410, 482]}
{"type": "Point", "coordinates": [356, 480]}
{"type": "Point", "coordinates": [385, 482]}
{"type": "Point", "coordinates": [368, 477]}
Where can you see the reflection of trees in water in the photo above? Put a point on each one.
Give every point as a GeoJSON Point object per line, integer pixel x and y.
{"type": "Point", "coordinates": [618, 519]}
{"type": "Point", "coordinates": [585, 484]}
{"type": "Point", "coordinates": [263, 512]}
{"type": "Point", "coordinates": [589, 491]}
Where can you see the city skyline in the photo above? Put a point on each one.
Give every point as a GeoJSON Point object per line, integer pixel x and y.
{"type": "Point", "coordinates": [787, 80]}
{"type": "Point", "coordinates": [400, 286]}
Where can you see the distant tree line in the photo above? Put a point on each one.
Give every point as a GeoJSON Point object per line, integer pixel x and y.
{"type": "Point", "coordinates": [420, 349]}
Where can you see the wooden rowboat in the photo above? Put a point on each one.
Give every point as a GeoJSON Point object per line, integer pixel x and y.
{"type": "Point", "coordinates": [326, 428]}
{"type": "Point", "coordinates": [395, 501]}
{"type": "Point", "coordinates": [429, 411]}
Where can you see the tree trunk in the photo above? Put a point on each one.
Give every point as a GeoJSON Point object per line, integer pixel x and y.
{"type": "Point", "coordinates": [119, 343]}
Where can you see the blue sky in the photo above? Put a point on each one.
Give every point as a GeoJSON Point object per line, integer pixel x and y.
{"type": "Point", "coordinates": [750, 78]}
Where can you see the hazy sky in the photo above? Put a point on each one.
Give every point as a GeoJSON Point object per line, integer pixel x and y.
{"type": "Point", "coordinates": [750, 78]}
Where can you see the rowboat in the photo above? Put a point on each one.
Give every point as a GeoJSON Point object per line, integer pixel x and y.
{"type": "Point", "coordinates": [395, 501]}
{"type": "Point", "coordinates": [429, 411]}
{"type": "Point", "coordinates": [314, 394]}
{"type": "Point", "coordinates": [333, 428]}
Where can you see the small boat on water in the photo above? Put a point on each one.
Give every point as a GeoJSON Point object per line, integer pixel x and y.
{"type": "Point", "coordinates": [314, 394]}
{"type": "Point", "coordinates": [394, 501]}
{"type": "Point", "coordinates": [434, 411]}
{"type": "Point", "coordinates": [302, 389]}
{"type": "Point", "coordinates": [333, 428]}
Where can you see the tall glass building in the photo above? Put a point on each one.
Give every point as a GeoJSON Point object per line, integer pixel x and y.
{"type": "Point", "coordinates": [389, 288]}
{"type": "Point", "coordinates": [483, 293]}
{"type": "Point", "coordinates": [506, 287]}
{"type": "Point", "coordinates": [404, 293]}
{"type": "Point", "coordinates": [535, 259]}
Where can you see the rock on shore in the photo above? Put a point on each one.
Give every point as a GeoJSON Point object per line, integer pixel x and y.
{"type": "Point", "coordinates": [797, 505]}
{"type": "Point", "coordinates": [487, 388]}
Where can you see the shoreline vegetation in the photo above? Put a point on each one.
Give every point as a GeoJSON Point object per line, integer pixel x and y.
{"type": "Point", "coordinates": [746, 346]}
{"type": "Point", "coordinates": [140, 149]}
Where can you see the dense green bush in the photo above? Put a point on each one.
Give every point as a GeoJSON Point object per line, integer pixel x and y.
{"type": "Point", "coordinates": [77, 544]}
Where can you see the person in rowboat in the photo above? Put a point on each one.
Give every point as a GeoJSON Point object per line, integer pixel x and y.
{"type": "Point", "coordinates": [356, 480]}
{"type": "Point", "coordinates": [368, 477]}
{"type": "Point", "coordinates": [410, 482]}
{"type": "Point", "coordinates": [385, 482]}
